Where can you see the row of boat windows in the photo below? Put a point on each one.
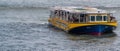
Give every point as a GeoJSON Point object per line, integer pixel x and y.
{"type": "Point", "coordinates": [76, 17]}
{"type": "Point", "coordinates": [98, 18]}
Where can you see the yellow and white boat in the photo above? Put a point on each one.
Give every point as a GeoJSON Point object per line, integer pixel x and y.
{"type": "Point", "coordinates": [82, 20]}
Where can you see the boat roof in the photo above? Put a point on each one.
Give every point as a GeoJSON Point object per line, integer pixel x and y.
{"type": "Point", "coordinates": [80, 9]}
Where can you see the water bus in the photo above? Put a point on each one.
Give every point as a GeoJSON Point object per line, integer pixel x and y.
{"type": "Point", "coordinates": [82, 20]}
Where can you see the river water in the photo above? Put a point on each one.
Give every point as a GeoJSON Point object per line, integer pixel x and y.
{"type": "Point", "coordinates": [24, 27]}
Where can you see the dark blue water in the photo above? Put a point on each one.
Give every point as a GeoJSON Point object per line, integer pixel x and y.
{"type": "Point", "coordinates": [24, 27]}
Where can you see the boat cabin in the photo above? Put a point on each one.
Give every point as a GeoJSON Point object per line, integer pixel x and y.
{"type": "Point", "coordinates": [81, 15]}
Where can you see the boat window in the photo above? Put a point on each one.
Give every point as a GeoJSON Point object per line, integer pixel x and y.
{"type": "Point", "coordinates": [82, 15]}
{"type": "Point", "coordinates": [61, 15]}
{"type": "Point", "coordinates": [64, 15]}
{"type": "Point", "coordinates": [92, 18]}
{"type": "Point", "coordinates": [58, 13]}
{"type": "Point", "coordinates": [67, 15]}
{"type": "Point", "coordinates": [98, 18]}
{"type": "Point", "coordinates": [55, 13]}
{"type": "Point", "coordinates": [105, 18]}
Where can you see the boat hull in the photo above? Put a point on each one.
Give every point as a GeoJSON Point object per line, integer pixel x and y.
{"type": "Point", "coordinates": [93, 29]}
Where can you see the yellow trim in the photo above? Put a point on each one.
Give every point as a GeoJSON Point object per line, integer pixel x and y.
{"type": "Point", "coordinates": [73, 25]}
{"type": "Point", "coordinates": [65, 25]}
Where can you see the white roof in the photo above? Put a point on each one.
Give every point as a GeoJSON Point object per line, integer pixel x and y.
{"type": "Point", "coordinates": [81, 9]}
